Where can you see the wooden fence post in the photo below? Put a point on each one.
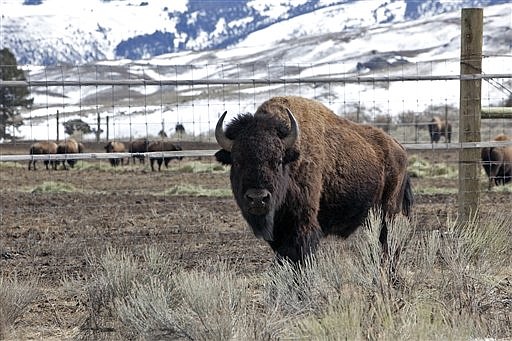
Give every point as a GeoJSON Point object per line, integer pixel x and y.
{"type": "Point", "coordinates": [57, 118]}
{"type": "Point", "coordinates": [469, 112]}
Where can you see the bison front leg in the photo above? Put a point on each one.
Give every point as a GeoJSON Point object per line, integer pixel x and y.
{"type": "Point", "coordinates": [493, 176]}
{"type": "Point", "coordinates": [297, 246]}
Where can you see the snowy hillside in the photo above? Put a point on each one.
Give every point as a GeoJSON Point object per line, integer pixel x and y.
{"type": "Point", "coordinates": [47, 32]}
{"type": "Point", "coordinates": [339, 40]}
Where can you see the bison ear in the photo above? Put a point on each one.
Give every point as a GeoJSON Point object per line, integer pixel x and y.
{"type": "Point", "coordinates": [291, 155]}
{"type": "Point", "coordinates": [223, 156]}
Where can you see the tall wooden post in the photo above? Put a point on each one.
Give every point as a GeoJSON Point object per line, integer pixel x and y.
{"type": "Point", "coordinates": [57, 117]}
{"type": "Point", "coordinates": [469, 114]}
{"type": "Point", "coordinates": [108, 127]}
{"type": "Point", "coordinates": [98, 127]}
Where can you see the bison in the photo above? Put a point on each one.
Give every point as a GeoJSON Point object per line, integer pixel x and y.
{"type": "Point", "coordinates": [115, 147]}
{"type": "Point", "coordinates": [497, 162]}
{"type": "Point", "coordinates": [437, 128]}
{"type": "Point", "coordinates": [70, 146]}
{"type": "Point", "coordinates": [162, 146]}
{"type": "Point", "coordinates": [138, 146]}
{"type": "Point", "coordinates": [299, 172]}
{"type": "Point", "coordinates": [44, 147]}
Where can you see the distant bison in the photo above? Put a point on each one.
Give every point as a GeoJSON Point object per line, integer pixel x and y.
{"type": "Point", "coordinates": [115, 147]}
{"type": "Point", "coordinates": [437, 128]}
{"type": "Point", "coordinates": [44, 147]}
{"type": "Point", "coordinates": [138, 146]}
{"type": "Point", "coordinates": [497, 162]}
{"type": "Point", "coordinates": [180, 129]}
{"type": "Point", "coordinates": [299, 172]}
{"type": "Point", "coordinates": [162, 146]}
{"type": "Point", "coordinates": [70, 146]}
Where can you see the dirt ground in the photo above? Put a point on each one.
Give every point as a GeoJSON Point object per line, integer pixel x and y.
{"type": "Point", "coordinates": [49, 236]}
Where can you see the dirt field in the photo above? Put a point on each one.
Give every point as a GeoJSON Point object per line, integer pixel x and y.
{"type": "Point", "coordinates": [48, 236]}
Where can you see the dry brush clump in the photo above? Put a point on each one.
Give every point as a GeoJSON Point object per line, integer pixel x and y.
{"type": "Point", "coordinates": [433, 284]}
{"type": "Point", "coordinates": [15, 299]}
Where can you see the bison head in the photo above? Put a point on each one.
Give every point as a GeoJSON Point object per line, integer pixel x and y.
{"type": "Point", "coordinates": [109, 147]}
{"type": "Point", "coordinates": [260, 150]}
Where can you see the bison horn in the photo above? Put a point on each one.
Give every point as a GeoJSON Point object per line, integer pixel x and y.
{"type": "Point", "coordinates": [290, 139]}
{"type": "Point", "coordinates": [221, 138]}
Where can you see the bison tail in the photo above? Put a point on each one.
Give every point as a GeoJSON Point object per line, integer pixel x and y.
{"type": "Point", "coordinates": [408, 197]}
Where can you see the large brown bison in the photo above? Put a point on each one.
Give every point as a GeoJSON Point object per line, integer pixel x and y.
{"type": "Point", "coordinates": [497, 162]}
{"type": "Point", "coordinates": [437, 128]}
{"type": "Point", "coordinates": [162, 146]}
{"type": "Point", "coordinates": [138, 146]}
{"type": "Point", "coordinates": [43, 147]}
{"type": "Point", "coordinates": [70, 146]}
{"type": "Point", "coordinates": [299, 172]}
{"type": "Point", "coordinates": [115, 147]}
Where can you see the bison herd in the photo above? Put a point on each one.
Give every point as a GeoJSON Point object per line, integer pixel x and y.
{"type": "Point", "coordinates": [496, 161]}
{"type": "Point", "coordinates": [69, 146]}
{"type": "Point", "coordinates": [137, 148]}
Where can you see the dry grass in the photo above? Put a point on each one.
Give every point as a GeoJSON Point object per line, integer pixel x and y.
{"type": "Point", "coordinates": [15, 298]}
{"type": "Point", "coordinates": [435, 285]}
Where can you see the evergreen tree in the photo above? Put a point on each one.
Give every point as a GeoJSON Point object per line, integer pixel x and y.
{"type": "Point", "coordinates": [76, 125]}
{"type": "Point", "coordinates": [12, 98]}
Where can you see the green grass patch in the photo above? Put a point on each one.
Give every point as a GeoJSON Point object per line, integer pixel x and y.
{"type": "Point", "coordinates": [421, 168]}
{"type": "Point", "coordinates": [177, 167]}
{"type": "Point", "coordinates": [199, 167]}
{"type": "Point", "coordinates": [197, 191]}
{"type": "Point", "coordinates": [12, 164]}
{"type": "Point", "coordinates": [53, 187]}
{"type": "Point", "coordinates": [499, 189]}
{"type": "Point", "coordinates": [435, 190]}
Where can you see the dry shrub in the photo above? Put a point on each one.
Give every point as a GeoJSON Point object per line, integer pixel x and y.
{"type": "Point", "coordinates": [15, 299]}
{"type": "Point", "coordinates": [202, 304]}
{"type": "Point", "coordinates": [435, 285]}
{"type": "Point", "coordinates": [113, 279]}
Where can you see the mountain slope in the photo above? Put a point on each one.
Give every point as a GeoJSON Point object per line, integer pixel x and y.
{"type": "Point", "coordinates": [46, 32]}
{"type": "Point", "coordinates": [298, 48]}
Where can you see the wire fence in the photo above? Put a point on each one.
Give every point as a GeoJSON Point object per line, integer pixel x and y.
{"type": "Point", "coordinates": [130, 102]}
{"type": "Point", "coordinates": [150, 101]}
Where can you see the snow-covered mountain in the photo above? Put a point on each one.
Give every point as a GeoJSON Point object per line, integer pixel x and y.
{"type": "Point", "coordinates": [46, 32]}
{"type": "Point", "coordinates": [332, 39]}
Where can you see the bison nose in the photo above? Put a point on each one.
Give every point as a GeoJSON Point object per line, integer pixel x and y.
{"type": "Point", "coordinates": [257, 200]}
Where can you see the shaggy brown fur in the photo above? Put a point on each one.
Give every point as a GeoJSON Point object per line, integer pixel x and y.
{"type": "Point", "coordinates": [139, 146]}
{"type": "Point", "coordinates": [70, 146]}
{"type": "Point", "coordinates": [324, 183]}
{"type": "Point", "coordinates": [115, 147]}
{"type": "Point", "coordinates": [437, 128]}
{"type": "Point", "coordinates": [161, 146]}
{"type": "Point", "coordinates": [497, 162]}
{"type": "Point", "coordinates": [43, 147]}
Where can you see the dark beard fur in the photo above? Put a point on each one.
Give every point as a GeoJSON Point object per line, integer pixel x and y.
{"type": "Point", "coordinates": [262, 225]}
